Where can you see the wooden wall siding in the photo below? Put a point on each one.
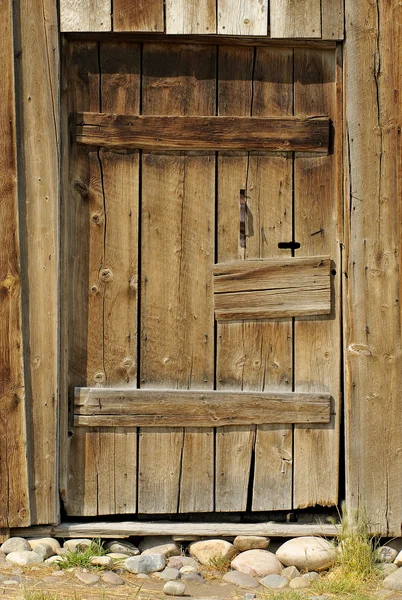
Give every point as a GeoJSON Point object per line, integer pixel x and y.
{"type": "Point", "coordinates": [37, 85]}
{"type": "Point", "coordinates": [373, 283]}
{"type": "Point", "coordinates": [14, 489]}
{"type": "Point", "coordinates": [180, 347]}
{"type": "Point", "coordinates": [314, 19]}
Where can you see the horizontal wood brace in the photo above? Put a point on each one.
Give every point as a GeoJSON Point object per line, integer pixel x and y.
{"type": "Point", "coordinates": [280, 288]}
{"type": "Point", "coordinates": [115, 407]}
{"type": "Point", "coordinates": [203, 133]}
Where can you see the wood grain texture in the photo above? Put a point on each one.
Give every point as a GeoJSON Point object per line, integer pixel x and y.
{"type": "Point", "coordinates": [85, 15]}
{"type": "Point", "coordinates": [243, 17]}
{"type": "Point", "coordinates": [184, 17]}
{"type": "Point", "coordinates": [316, 450]}
{"type": "Point", "coordinates": [138, 15]}
{"type": "Point", "coordinates": [203, 133]}
{"type": "Point", "coordinates": [272, 289]}
{"type": "Point", "coordinates": [332, 19]}
{"type": "Point", "coordinates": [176, 297]}
{"type": "Point", "coordinates": [295, 18]}
{"type": "Point", "coordinates": [372, 289]}
{"type": "Point", "coordinates": [37, 82]}
{"type": "Point", "coordinates": [14, 473]}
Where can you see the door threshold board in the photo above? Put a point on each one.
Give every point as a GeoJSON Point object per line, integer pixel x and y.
{"type": "Point", "coordinates": [126, 529]}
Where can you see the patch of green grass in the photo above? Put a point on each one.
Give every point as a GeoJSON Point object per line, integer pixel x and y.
{"type": "Point", "coordinates": [220, 563]}
{"type": "Point", "coordinates": [81, 557]}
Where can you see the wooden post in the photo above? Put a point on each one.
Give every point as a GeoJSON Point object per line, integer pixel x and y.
{"type": "Point", "coordinates": [36, 50]}
{"type": "Point", "coordinates": [372, 274]}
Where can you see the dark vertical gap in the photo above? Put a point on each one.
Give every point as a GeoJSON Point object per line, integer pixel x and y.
{"type": "Point", "coordinates": [164, 16]}
{"type": "Point", "coordinates": [293, 254]}
{"type": "Point", "coordinates": [139, 273]}
{"type": "Point", "coordinates": [112, 15]}
{"type": "Point", "coordinates": [216, 255]}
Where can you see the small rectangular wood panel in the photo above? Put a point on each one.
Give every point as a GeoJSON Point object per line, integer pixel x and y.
{"type": "Point", "coordinates": [202, 133]}
{"type": "Point", "coordinates": [267, 289]}
{"type": "Point", "coordinates": [108, 407]}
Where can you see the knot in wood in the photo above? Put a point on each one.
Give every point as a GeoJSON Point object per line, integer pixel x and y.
{"type": "Point", "coordinates": [99, 377]}
{"type": "Point", "coordinates": [81, 188]}
{"type": "Point", "coordinates": [106, 275]}
{"type": "Point", "coordinates": [8, 283]}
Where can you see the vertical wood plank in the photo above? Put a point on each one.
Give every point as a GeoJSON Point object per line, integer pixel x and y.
{"type": "Point", "coordinates": [270, 201]}
{"type": "Point", "coordinates": [14, 489]}
{"type": "Point", "coordinates": [85, 15]}
{"type": "Point", "coordinates": [138, 15]}
{"type": "Point", "coordinates": [332, 14]}
{"type": "Point", "coordinates": [295, 18]}
{"type": "Point", "coordinates": [372, 288]}
{"type": "Point", "coordinates": [242, 17]}
{"type": "Point", "coordinates": [191, 17]}
{"type": "Point", "coordinates": [316, 449]}
{"type": "Point", "coordinates": [38, 112]}
{"type": "Point", "coordinates": [176, 297]}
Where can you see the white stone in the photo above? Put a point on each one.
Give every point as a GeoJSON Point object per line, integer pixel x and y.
{"type": "Point", "coordinates": [240, 579]}
{"type": "Point", "coordinates": [167, 550]}
{"type": "Point", "coordinates": [54, 560]}
{"type": "Point", "coordinates": [87, 578]}
{"type": "Point", "coordinates": [174, 588]}
{"type": "Point", "coordinates": [204, 550]}
{"type": "Point", "coordinates": [250, 542]}
{"type": "Point", "coordinates": [307, 553]}
{"type": "Point", "coordinates": [299, 583]}
{"type": "Point", "coordinates": [118, 555]}
{"type": "Point", "coordinates": [44, 550]}
{"type": "Point", "coordinates": [394, 581]}
{"type": "Point", "coordinates": [112, 578]}
{"type": "Point", "coordinates": [15, 544]}
{"type": "Point", "coordinates": [290, 572]}
{"type": "Point", "coordinates": [311, 576]}
{"type": "Point", "coordinates": [33, 542]}
{"type": "Point", "coordinates": [188, 569]}
{"type": "Point", "coordinates": [122, 547]}
{"type": "Point", "coordinates": [102, 561]}
{"type": "Point", "coordinates": [145, 564]}
{"type": "Point", "coordinates": [24, 558]}
{"type": "Point", "coordinates": [257, 563]}
{"type": "Point", "coordinates": [80, 544]}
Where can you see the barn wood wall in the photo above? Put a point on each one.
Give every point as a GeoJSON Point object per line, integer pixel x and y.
{"type": "Point", "coordinates": [373, 272]}
{"type": "Point", "coordinates": [315, 19]}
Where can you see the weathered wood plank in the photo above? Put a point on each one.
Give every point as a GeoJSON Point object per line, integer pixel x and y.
{"type": "Point", "coordinates": [190, 17]}
{"type": "Point", "coordinates": [198, 408]}
{"type": "Point", "coordinates": [272, 289]}
{"type": "Point", "coordinates": [36, 43]}
{"type": "Point", "coordinates": [295, 18]}
{"type": "Point", "coordinates": [372, 293]}
{"type": "Point", "coordinates": [176, 298]}
{"type": "Point", "coordinates": [203, 133]}
{"type": "Point", "coordinates": [316, 449]}
{"type": "Point", "coordinates": [205, 529]}
{"type": "Point", "coordinates": [332, 19]}
{"type": "Point", "coordinates": [138, 15]}
{"type": "Point", "coordinates": [85, 15]}
{"type": "Point", "coordinates": [243, 17]}
{"type": "Point", "coordinates": [14, 489]}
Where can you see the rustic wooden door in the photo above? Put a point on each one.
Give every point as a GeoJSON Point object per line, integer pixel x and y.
{"type": "Point", "coordinates": [203, 278]}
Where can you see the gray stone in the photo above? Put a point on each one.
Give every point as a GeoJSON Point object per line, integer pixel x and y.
{"type": "Point", "coordinates": [394, 581]}
{"type": "Point", "coordinates": [24, 558]}
{"type": "Point", "coordinates": [274, 582]}
{"type": "Point", "coordinates": [112, 578]}
{"type": "Point", "coordinates": [299, 583]}
{"type": "Point", "coordinates": [307, 553]}
{"type": "Point", "coordinates": [194, 577]}
{"type": "Point", "coordinates": [145, 564]}
{"type": "Point", "coordinates": [44, 551]}
{"type": "Point", "coordinates": [311, 576]}
{"type": "Point", "coordinates": [33, 542]}
{"type": "Point", "coordinates": [205, 550]}
{"type": "Point", "coordinates": [241, 579]}
{"type": "Point", "coordinates": [250, 542]}
{"type": "Point", "coordinates": [290, 572]}
{"type": "Point", "coordinates": [169, 574]}
{"type": "Point", "coordinates": [122, 547]}
{"type": "Point", "coordinates": [386, 554]}
{"type": "Point", "coordinates": [249, 596]}
{"type": "Point", "coordinates": [177, 562]}
{"type": "Point", "coordinates": [167, 550]}
{"type": "Point", "coordinates": [257, 563]}
{"type": "Point", "coordinates": [15, 544]}
{"type": "Point", "coordinates": [102, 561]}
{"type": "Point", "coordinates": [10, 582]}
{"type": "Point", "coordinates": [87, 578]}
{"type": "Point", "coordinates": [142, 576]}
{"type": "Point", "coordinates": [77, 544]}
{"type": "Point", "coordinates": [386, 569]}
{"type": "Point", "coordinates": [174, 588]}
{"type": "Point", "coordinates": [188, 569]}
